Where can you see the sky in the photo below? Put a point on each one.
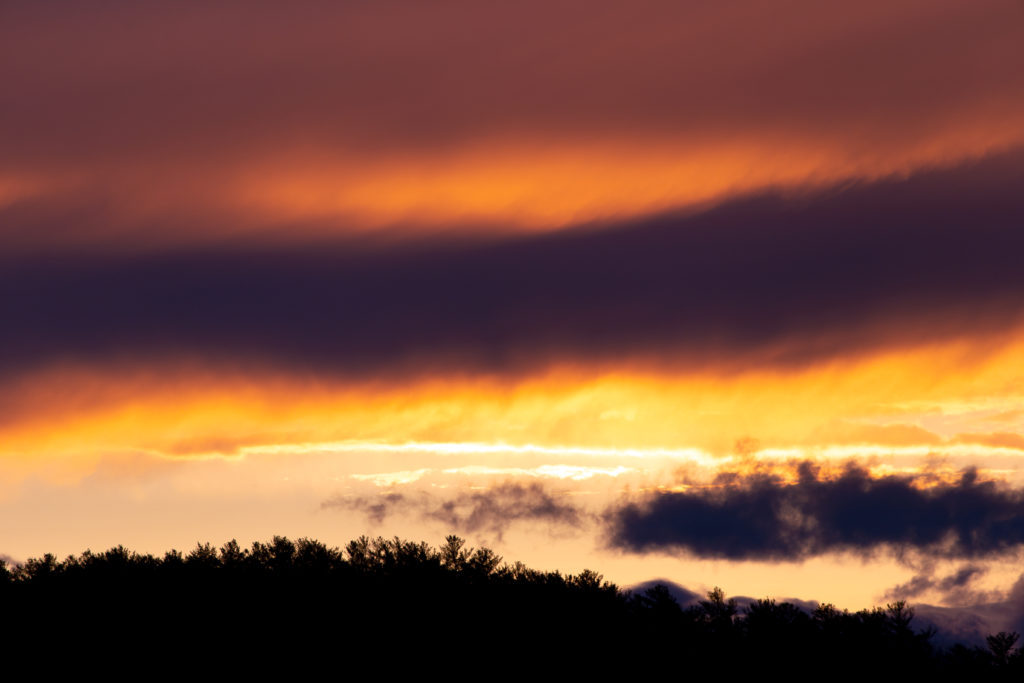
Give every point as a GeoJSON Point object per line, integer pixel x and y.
{"type": "Point", "coordinates": [720, 293]}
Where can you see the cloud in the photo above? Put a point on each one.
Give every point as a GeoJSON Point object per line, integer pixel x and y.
{"type": "Point", "coordinates": [377, 508]}
{"type": "Point", "coordinates": [953, 587]}
{"type": "Point", "coordinates": [772, 280]}
{"type": "Point", "coordinates": [966, 624]}
{"type": "Point", "coordinates": [1006, 416]}
{"type": "Point", "coordinates": [994, 439]}
{"type": "Point", "coordinates": [130, 94]}
{"type": "Point", "coordinates": [972, 620]}
{"type": "Point", "coordinates": [492, 510]}
{"type": "Point", "coordinates": [699, 63]}
{"type": "Point", "coordinates": [761, 517]}
{"type": "Point", "coordinates": [681, 594]}
{"type": "Point", "coordinates": [846, 432]}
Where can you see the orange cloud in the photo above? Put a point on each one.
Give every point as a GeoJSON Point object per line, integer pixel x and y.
{"type": "Point", "coordinates": [995, 439]}
{"type": "Point", "coordinates": [178, 410]}
{"type": "Point", "coordinates": [391, 116]}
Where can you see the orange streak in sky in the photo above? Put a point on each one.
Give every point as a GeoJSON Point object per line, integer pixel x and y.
{"type": "Point", "coordinates": [494, 187]}
{"type": "Point", "coordinates": [69, 416]}
{"type": "Point", "coordinates": [538, 184]}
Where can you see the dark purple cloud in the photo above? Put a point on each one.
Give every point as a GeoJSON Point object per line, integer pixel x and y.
{"type": "Point", "coordinates": [760, 517]}
{"type": "Point", "coordinates": [954, 587]}
{"type": "Point", "coordinates": [770, 279]}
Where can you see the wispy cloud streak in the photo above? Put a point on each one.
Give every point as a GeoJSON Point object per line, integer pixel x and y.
{"type": "Point", "coordinates": [492, 510]}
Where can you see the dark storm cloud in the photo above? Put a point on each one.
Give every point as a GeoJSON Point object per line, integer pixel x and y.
{"type": "Point", "coordinates": [758, 517]}
{"type": "Point", "coordinates": [770, 279]}
{"type": "Point", "coordinates": [492, 510]}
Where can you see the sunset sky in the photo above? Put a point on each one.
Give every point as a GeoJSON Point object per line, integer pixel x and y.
{"type": "Point", "coordinates": [721, 293]}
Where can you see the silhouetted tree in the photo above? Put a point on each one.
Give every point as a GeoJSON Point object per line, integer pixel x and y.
{"type": "Point", "coordinates": [1001, 646]}
{"type": "Point", "coordinates": [289, 597]}
{"type": "Point", "coordinates": [453, 556]}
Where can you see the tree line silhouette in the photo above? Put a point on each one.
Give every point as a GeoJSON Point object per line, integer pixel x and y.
{"type": "Point", "coordinates": [384, 596]}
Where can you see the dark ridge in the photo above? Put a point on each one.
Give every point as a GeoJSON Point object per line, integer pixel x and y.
{"type": "Point", "coordinates": [306, 603]}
